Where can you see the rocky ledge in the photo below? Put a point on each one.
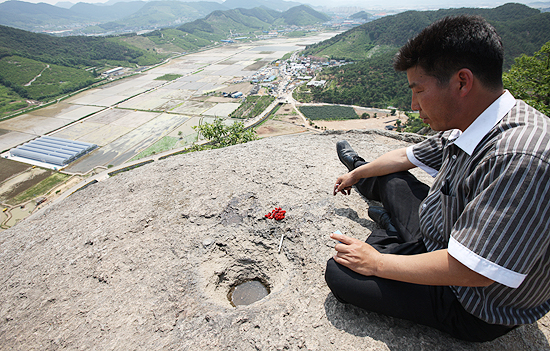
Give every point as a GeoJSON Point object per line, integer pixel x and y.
{"type": "Point", "coordinates": [145, 260]}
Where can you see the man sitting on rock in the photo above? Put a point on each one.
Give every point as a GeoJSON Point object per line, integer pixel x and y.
{"type": "Point", "coordinates": [470, 255]}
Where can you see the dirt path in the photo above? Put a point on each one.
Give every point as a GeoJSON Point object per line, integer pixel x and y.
{"type": "Point", "coordinates": [38, 76]}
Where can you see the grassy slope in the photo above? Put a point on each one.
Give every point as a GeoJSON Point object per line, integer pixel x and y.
{"type": "Point", "coordinates": [53, 79]}
{"type": "Point", "coordinates": [10, 101]}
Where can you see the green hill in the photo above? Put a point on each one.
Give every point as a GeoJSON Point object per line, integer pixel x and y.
{"type": "Point", "coordinates": [372, 82]}
{"type": "Point", "coordinates": [523, 30]}
{"type": "Point", "coordinates": [78, 51]}
{"type": "Point", "coordinates": [361, 15]}
{"type": "Point", "coordinates": [39, 67]}
{"type": "Point", "coordinates": [303, 16]}
{"type": "Point", "coordinates": [242, 20]}
{"type": "Point", "coordinates": [18, 73]}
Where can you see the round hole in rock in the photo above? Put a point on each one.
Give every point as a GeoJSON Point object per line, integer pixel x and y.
{"type": "Point", "coordinates": [226, 266]}
{"type": "Point", "coordinates": [248, 292]}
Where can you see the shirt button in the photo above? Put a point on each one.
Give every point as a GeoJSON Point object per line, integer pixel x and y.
{"type": "Point", "coordinates": [454, 157]}
{"type": "Point", "coordinates": [424, 206]}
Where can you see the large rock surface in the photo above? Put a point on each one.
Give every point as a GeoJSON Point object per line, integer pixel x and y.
{"type": "Point", "coordinates": [145, 259]}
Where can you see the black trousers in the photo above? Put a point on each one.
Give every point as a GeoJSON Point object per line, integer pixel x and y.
{"type": "Point", "coordinates": [435, 306]}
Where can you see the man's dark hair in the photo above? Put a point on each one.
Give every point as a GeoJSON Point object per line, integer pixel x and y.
{"type": "Point", "coordinates": [453, 43]}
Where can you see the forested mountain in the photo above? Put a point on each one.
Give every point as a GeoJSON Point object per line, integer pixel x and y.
{"type": "Point", "coordinates": [371, 81]}
{"type": "Point", "coordinates": [303, 16]}
{"type": "Point", "coordinates": [155, 14]}
{"type": "Point", "coordinates": [87, 18]}
{"type": "Point", "coordinates": [523, 30]}
{"type": "Point", "coordinates": [28, 16]}
{"type": "Point", "coordinates": [244, 21]}
{"type": "Point", "coordinates": [56, 65]}
{"type": "Point", "coordinates": [78, 51]}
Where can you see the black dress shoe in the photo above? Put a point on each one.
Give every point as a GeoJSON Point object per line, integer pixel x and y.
{"type": "Point", "coordinates": [346, 154]}
{"type": "Point", "coordinates": [382, 218]}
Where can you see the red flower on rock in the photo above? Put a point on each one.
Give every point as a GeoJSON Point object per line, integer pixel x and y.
{"type": "Point", "coordinates": [277, 214]}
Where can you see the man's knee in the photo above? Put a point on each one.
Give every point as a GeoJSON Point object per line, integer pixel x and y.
{"type": "Point", "coordinates": [333, 278]}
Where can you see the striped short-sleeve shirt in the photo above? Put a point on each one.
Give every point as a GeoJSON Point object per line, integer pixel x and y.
{"type": "Point", "coordinates": [489, 206]}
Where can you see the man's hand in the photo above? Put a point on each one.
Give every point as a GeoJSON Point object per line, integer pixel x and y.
{"type": "Point", "coordinates": [391, 162]}
{"type": "Point", "coordinates": [355, 254]}
{"type": "Point", "coordinates": [430, 268]}
{"type": "Point", "coordinates": [344, 183]}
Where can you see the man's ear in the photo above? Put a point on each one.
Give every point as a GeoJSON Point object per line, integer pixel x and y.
{"type": "Point", "coordinates": [465, 78]}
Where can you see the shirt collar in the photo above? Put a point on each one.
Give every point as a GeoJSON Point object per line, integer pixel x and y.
{"type": "Point", "coordinates": [469, 139]}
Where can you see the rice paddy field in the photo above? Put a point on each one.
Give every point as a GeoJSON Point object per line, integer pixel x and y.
{"type": "Point", "coordinates": [128, 119]}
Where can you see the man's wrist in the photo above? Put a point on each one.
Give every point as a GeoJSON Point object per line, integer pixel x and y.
{"type": "Point", "coordinates": [380, 265]}
{"type": "Point", "coordinates": [356, 174]}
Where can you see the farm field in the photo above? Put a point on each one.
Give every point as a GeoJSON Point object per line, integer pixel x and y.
{"type": "Point", "coordinates": [328, 112]}
{"type": "Point", "coordinates": [285, 121]}
{"type": "Point", "coordinates": [127, 117]}
{"type": "Point", "coordinates": [9, 168]}
{"type": "Point", "coordinates": [22, 182]}
{"type": "Point", "coordinates": [252, 106]}
{"type": "Point", "coordinates": [39, 188]}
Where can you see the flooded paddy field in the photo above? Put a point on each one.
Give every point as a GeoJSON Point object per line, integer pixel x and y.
{"type": "Point", "coordinates": [28, 126]}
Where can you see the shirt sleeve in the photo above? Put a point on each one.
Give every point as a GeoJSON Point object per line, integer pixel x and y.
{"type": "Point", "coordinates": [428, 154]}
{"type": "Point", "coordinates": [503, 230]}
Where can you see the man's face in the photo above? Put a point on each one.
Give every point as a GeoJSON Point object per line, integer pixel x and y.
{"type": "Point", "coordinates": [435, 102]}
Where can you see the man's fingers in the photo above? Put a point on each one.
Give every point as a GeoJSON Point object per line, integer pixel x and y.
{"type": "Point", "coordinates": [338, 188]}
{"type": "Point", "coordinates": [335, 190]}
{"type": "Point", "coordinates": [344, 239]}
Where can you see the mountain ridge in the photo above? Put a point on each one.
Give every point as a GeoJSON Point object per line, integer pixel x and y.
{"type": "Point", "coordinates": [248, 20]}
{"type": "Point", "coordinates": [121, 15]}
{"type": "Point", "coordinates": [522, 28]}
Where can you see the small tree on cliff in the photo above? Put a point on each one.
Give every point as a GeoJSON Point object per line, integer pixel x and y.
{"type": "Point", "coordinates": [222, 135]}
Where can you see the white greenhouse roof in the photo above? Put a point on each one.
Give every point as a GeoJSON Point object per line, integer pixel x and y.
{"type": "Point", "coordinates": [52, 151]}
